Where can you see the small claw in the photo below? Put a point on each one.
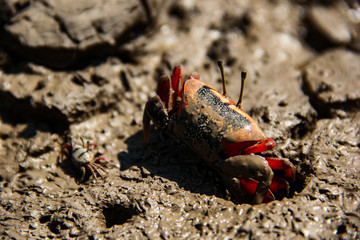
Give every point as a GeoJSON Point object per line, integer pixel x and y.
{"type": "Point", "coordinates": [269, 197]}
{"type": "Point", "coordinates": [99, 159]}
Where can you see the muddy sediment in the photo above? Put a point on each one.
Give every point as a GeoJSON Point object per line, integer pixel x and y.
{"type": "Point", "coordinates": [86, 69]}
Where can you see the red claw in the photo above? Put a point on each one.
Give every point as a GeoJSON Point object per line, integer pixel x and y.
{"type": "Point", "coordinates": [249, 185]}
{"type": "Point", "coordinates": [177, 80]}
{"type": "Point", "coordinates": [101, 159]}
{"type": "Point", "coordinates": [279, 187]}
{"type": "Point", "coordinates": [282, 165]}
{"type": "Point", "coordinates": [163, 89]}
{"type": "Point", "coordinates": [263, 146]}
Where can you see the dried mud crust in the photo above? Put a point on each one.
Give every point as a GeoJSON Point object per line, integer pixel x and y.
{"type": "Point", "coordinates": [301, 90]}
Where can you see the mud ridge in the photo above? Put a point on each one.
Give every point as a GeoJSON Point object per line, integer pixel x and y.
{"type": "Point", "coordinates": [326, 109]}
{"type": "Point", "coordinates": [12, 105]}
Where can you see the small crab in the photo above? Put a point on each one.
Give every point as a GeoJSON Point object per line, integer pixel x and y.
{"type": "Point", "coordinates": [82, 158]}
{"type": "Point", "coordinates": [221, 133]}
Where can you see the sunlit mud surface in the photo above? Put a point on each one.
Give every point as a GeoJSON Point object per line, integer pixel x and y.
{"type": "Point", "coordinates": [71, 69]}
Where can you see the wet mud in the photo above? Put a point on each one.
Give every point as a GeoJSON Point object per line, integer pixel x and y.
{"type": "Point", "coordinates": [86, 69]}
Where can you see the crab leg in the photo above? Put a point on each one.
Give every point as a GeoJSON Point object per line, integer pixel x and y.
{"type": "Point", "coordinates": [93, 170]}
{"type": "Point", "coordinates": [262, 146]}
{"type": "Point", "coordinates": [93, 166]}
{"type": "Point", "coordinates": [154, 111]}
{"type": "Point", "coordinates": [100, 167]}
{"type": "Point", "coordinates": [284, 165]}
{"type": "Point", "coordinates": [279, 187]}
{"type": "Point", "coordinates": [177, 81]}
{"type": "Point", "coordinates": [250, 185]}
{"type": "Point", "coordinates": [165, 92]}
{"type": "Point", "coordinates": [65, 152]}
{"type": "Point", "coordinates": [83, 172]}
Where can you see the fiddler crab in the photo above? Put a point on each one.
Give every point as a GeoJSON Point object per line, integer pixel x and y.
{"type": "Point", "coordinates": [221, 133]}
{"type": "Point", "coordinates": [82, 158]}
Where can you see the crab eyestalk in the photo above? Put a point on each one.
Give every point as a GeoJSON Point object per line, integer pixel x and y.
{"type": "Point", "coordinates": [221, 67]}
{"type": "Point", "coordinates": [82, 141]}
{"type": "Point", "coordinates": [243, 77]}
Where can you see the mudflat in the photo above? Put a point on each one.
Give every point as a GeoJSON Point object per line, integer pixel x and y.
{"type": "Point", "coordinates": [72, 69]}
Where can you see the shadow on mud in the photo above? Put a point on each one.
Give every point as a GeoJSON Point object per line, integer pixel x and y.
{"type": "Point", "coordinates": [168, 158]}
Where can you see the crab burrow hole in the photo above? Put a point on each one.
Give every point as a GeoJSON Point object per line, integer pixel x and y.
{"type": "Point", "coordinates": [118, 214]}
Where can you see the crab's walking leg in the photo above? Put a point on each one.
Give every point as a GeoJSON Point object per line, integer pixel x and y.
{"type": "Point", "coordinates": [95, 167]}
{"type": "Point", "coordinates": [250, 186]}
{"type": "Point", "coordinates": [177, 81]}
{"type": "Point", "coordinates": [250, 166]}
{"type": "Point", "coordinates": [97, 164]}
{"type": "Point", "coordinates": [165, 91]}
{"type": "Point", "coordinates": [154, 111]}
{"type": "Point", "coordinates": [100, 167]}
{"type": "Point", "coordinates": [262, 146]}
{"type": "Point", "coordinates": [92, 170]}
{"type": "Point", "coordinates": [279, 187]}
{"type": "Point", "coordinates": [65, 151]}
{"type": "Point", "coordinates": [284, 165]}
{"type": "Point", "coordinates": [83, 172]}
